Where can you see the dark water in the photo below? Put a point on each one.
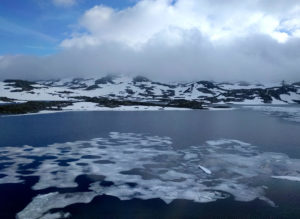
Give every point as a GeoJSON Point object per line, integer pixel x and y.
{"type": "Point", "coordinates": [184, 128]}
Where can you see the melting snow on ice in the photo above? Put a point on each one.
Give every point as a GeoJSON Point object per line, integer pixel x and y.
{"type": "Point", "coordinates": [144, 167]}
{"type": "Point", "coordinates": [290, 113]}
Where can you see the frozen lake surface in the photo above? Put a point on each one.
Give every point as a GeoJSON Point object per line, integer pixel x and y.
{"type": "Point", "coordinates": [242, 162]}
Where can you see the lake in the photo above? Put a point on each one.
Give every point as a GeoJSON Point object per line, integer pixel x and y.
{"type": "Point", "coordinates": [162, 164]}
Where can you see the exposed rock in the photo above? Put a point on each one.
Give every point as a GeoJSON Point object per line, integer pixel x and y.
{"type": "Point", "coordinates": [23, 85]}
{"type": "Point", "coordinates": [140, 79]}
{"type": "Point", "coordinates": [185, 104]}
{"type": "Point", "coordinates": [5, 99]}
{"type": "Point", "coordinates": [92, 87]}
{"type": "Point", "coordinates": [33, 107]}
{"type": "Point", "coordinates": [105, 80]}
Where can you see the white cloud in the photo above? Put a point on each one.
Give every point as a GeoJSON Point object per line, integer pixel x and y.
{"type": "Point", "coordinates": [178, 40]}
{"type": "Point", "coordinates": [64, 3]}
{"type": "Point", "coordinates": [217, 20]}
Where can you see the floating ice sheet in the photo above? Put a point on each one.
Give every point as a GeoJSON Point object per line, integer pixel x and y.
{"type": "Point", "coordinates": [285, 112]}
{"type": "Point", "coordinates": [128, 165]}
{"type": "Point", "coordinates": [291, 178]}
{"type": "Point", "coordinates": [205, 170]}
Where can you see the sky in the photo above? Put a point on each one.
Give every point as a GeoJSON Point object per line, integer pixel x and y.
{"type": "Point", "coordinates": [169, 40]}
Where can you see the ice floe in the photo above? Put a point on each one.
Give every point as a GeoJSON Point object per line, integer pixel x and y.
{"type": "Point", "coordinates": [205, 170]}
{"type": "Point", "coordinates": [291, 178]}
{"type": "Point", "coordinates": [129, 165]}
{"type": "Point", "coordinates": [291, 113]}
{"type": "Point", "coordinates": [43, 203]}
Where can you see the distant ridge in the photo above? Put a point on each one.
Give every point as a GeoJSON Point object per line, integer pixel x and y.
{"type": "Point", "coordinates": [114, 91]}
{"type": "Point", "coordinates": [140, 87]}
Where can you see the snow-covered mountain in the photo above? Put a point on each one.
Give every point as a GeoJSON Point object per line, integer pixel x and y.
{"type": "Point", "coordinates": [142, 91]}
{"type": "Point", "coordinates": [141, 88]}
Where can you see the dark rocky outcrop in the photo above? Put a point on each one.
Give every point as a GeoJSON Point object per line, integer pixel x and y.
{"type": "Point", "coordinates": [92, 87]}
{"type": "Point", "coordinates": [266, 94]}
{"type": "Point", "coordinates": [105, 80]}
{"type": "Point", "coordinates": [20, 84]}
{"type": "Point", "coordinates": [107, 102]}
{"type": "Point", "coordinates": [140, 79]}
{"type": "Point", "coordinates": [33, 107]}
{"type": "Point", "coordinates": [208, 84]}
{"type": "Point", "coordinates": [5, 99]}
{"type": "Point", "coordinates": [181, 103]}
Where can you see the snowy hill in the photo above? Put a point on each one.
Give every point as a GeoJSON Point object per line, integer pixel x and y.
{"type": "Point", "coordinates": [139, 90]}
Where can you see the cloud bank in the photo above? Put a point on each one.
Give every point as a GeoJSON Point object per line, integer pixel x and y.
{"type": "Point", "coordinates": [176, 40]}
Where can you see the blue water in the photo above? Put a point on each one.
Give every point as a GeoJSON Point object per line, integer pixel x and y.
{"type": "Point", "coordinates": [184, 129]}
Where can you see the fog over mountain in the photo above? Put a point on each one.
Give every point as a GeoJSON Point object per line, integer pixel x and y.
{"type": "Point", "coordinates": [179, 40]}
